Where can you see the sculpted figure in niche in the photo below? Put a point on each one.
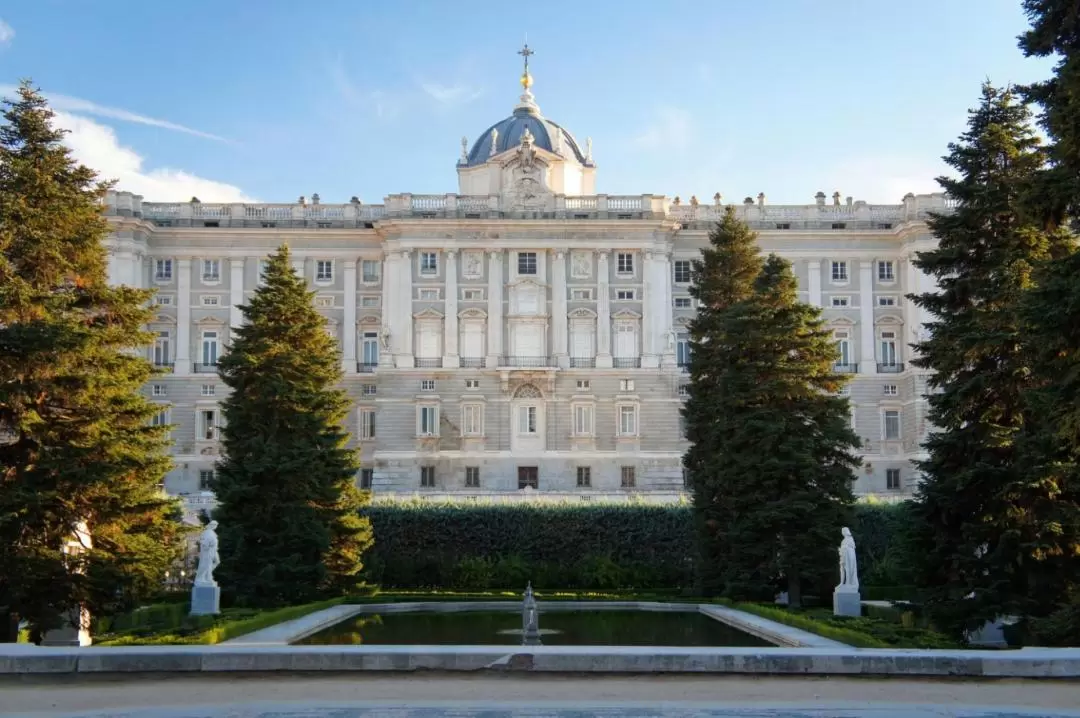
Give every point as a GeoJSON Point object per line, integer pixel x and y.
{"type": "Point", "coordinates": [581, 267]}
{"type": "Point", "coordinates": [473, 264]}
{"type": "Point", "coordinates": [849, 570]}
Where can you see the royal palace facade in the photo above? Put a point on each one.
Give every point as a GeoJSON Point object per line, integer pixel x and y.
{"type": "Point", "coordinates": [525, 335]}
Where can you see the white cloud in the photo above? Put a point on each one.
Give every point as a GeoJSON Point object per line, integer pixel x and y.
{"type": "Point", "coordinates": [7, 33]}
{"type": "Point", "coordinates": [65, 103]}
{"type": "Point", "coordinates": [450, 95]}
{"type": "Point", "coordinates": [672, 128]}
{"type": "Point", "coordinates": [97, 147]}
{"type": "Point", "coordinates": [883, 179]}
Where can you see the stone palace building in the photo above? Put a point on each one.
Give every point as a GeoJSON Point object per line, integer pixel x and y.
{"type": "Point", "coordinates": [525, 333]}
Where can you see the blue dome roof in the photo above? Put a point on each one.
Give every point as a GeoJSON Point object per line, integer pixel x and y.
{"type": "Point", "coordinates": [513, 127]}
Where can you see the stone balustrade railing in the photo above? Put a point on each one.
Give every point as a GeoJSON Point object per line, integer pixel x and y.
{"type": "Point", "coordinates": [819, 215]}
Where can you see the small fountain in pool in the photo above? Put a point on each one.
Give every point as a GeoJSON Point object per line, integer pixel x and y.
{"type": "Point", "coordinates": [530, 622]}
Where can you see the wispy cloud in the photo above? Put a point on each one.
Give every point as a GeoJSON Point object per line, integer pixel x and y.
{"type": "Point", "coordinates": [883, 179]}
{"type": "Point", "coordinates": [97, 146]}
{"type": "Point", "coordinates": [671, 128]}
{"type": "Point", "coordinates": [450, 95]}
{"type": "Point", "coordinates": [66, 103]}
{"type": "Point", "coordinates": [385, 105]}
{"type": "Point", "coordinates": [7, 33]}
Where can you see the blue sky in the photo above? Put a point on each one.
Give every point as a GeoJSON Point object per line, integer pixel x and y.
{"type": "Point", "coordinates": [271, 100]}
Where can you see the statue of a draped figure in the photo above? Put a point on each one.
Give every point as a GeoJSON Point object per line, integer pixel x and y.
{"type": "Point", "coordinates": [849, 569]}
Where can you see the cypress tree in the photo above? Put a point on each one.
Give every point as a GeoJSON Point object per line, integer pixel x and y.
{"type": "Point", "coordinates": [76, 445]}
{"type": "Point", "coordinates": [983, 519]}
{"type": "Point", "coordinates": [770, 457]}
{"type": "Point", "coordinates": [290, 529]}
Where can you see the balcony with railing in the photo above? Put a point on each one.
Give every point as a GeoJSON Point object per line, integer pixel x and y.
{"type": "Point", "coordinates": [582, 362]}
{"type": "Point", "coordinates": [366, 367]}
{"type": "Point", "coordinates": [841, 368]}
{"type": "Point", "coordinates": [527, 362]}
{"type": "Point", "coordinates": [473, 362]}
{"type": "Point", "coordinates": [161, 365]}
{"type": "Point", "coordinates": [355, 214]}
{"type": "Point", "coordinates": [428, 362]}
{"type": "Point", "coordinates": [201, 368]}
{"type": "Point", "coordinates": [890, 367]}
{"type": "Point", "coordinates": [626, 362]}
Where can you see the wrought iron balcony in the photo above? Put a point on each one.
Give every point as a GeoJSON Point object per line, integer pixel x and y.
{"type": "Point", "coordinates": [163, 365]}
{"type": "Point", "coordinates": [366, 367]}
{"type": "Point", "coordinates": [473, 362]}
{"type": "Point", "coordinates": [684, 364]}
{"type": "Point", "coordinates": [528, 361]}
{"type": "Point", "coordinates": [890, 368]}
{"type": "Point", "coordinates": [428, 362]}
{"type": "Point", "coordinates": [841, 368]}
{"type": "Point", "coordinates": [206, 368]}
{"type": "Point", "coordinates": [582, 362]}
{"type": "Point", "coordinates": [626, 362]}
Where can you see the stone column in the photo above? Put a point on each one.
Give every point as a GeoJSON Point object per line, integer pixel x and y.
{"type": "Point", "coordinates": [603, 311]}
{"type": "Point", "coordinates": [450, 321]}
{"type": "Point", "coordinates": [648, 315]}
{"type": "Point", "coordinates": [813, 276]}
{"type": "Point", "coordinates": [495, 309]}
{"type": "Point", "coordinates": [236, 291]}
{"type": "Point", "coordinates": [558, 310]}
{"type": "Point", "coordinates": [182, 363]}
{"type": "Point", "coordinates": [389, 308]}
{"type": "Point", "coordinates": [867, 356]}
{"type": "Point", "coordinates": [662, 309]}
{"type": "Point", "coordinates": [405, 310]}
{"type": "Point", "coordinates": [348, 337]}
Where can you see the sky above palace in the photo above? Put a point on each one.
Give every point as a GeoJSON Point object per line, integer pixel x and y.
{"type": "Point", "coordinates": [267, 101]}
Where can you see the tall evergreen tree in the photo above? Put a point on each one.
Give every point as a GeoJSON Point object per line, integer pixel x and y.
{"type": "Point", "coordinates": [288, 504]}
{"type": "Point", "coordinates": [770, 457]}
{"type": "Point", "coordinates": [983, 520]}
{"type": "Point", "coordinates": [76, 444]}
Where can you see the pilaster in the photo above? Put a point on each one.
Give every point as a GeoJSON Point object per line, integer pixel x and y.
{"type": "Point", "coordinates": [867, 356]}
{"type": "Point", "coordinates": [389, 309]}
{"type": "Point", "coordinates": [298, 266]}
{"type": "Point", "coordinates": [404, 354]}
{"type": "Point", "coordinates": [451, 358]}
{"type": "Point", "coordinates": [813, 283]}
{"type": "Point", "coordinates": [495, 309]}
{"type": "Point", "coordinates": [348, 340]}
{"type": "Point", "coordinates": [236, 292]}
{"type": "Point", "coordinates": [664, 337]}
{"type": "Point", "coordinates": [648, 314]}
{"type": "Point", "coordinates": [603, 311]}
{"type": "Point", "coordinates": [558, 310]}
{"type": "Point", "coordinates": [182, 363]}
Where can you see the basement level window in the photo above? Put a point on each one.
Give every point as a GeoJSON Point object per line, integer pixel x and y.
{"type": "Point", "coordinates": [269, 225]}
{"type": "Point", "coordinates": [783, 225]}
{"type": "Point", "coordinates": [323, 225]}
{"type": "Point", "coordinates": [884, 225]}
{"type": "Point", "coordinates": [211, 224]}
{"type": "Point", "coordinates": [839, 225]}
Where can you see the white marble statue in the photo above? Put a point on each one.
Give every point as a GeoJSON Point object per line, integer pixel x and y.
{"type": "Point", "coordinates": [464, 149]}
{"type": "Point", "coordinates": [849, 570]}
{"type": "Point", "coordinates": [494, 141]}
{"type": "Point", "coordinates": [208, 556]}
{"type": "Point", "coordinates": [384, 337]}
{"type": "Point", "coordinates": [671, 338]}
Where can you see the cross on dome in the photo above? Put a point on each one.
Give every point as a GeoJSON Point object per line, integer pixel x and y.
{"type": "Point", "coordinates": [526, 78]}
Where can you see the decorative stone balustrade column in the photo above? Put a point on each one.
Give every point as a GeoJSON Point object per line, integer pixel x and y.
{"type": "Point", "coordinates": [236, 291]}
{"type": "Point", "coordinates": [348, 338]}
{"type": "Point", "coordinates": [495, 309]}
{"type": "Point", "coordinates": [603, 311]}
{"type": "Point", "coordinates": [867, 356]}
{"type": "Point", "coordinates": [559, 319]}
{"type": "Point", "coordinates": [405, 311]}
{"type": "Point", "coordinates": [813, 281]}
{"type": "Point", "coordinates": [451, 358]}
{"type": "Point", "coordinates": [182, 362]}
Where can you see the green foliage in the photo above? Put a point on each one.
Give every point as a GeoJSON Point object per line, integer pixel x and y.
{"type": "Point", "coordinates": [82, 521]}
{"type": "Point", "coordinates": [885, 533]}
{"type": "Point", "coordinates": [289, 508]}
{"type": "Point", "coordinates": [988, 522]}
{"type": "Point", "coordinates": [771, 456]}
{"type": "Point", "coordinates": [1060, 628]}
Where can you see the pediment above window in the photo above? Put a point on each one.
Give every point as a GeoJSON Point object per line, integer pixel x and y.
{"type": "Point", "coordinates": [683, 322]}
{"type": "Point", "coordinates": [582, 313]}
{"type": "Point", "coordinates": [369, 319]}
{"type": "Point", "coordinates": [841, 322]}
{"type": "Point", "coordinates": [164, 319]}
{"type": "Point", "coordinates": [429, 313]}
{"type": "Point", "coordinates": [893, 319]}
{"type": "Point", "coordinates": [478, 314]}
{"type": "Point", "coordinates": [210, 322]}
{"type": "Point", "coordinates": [626, 314]}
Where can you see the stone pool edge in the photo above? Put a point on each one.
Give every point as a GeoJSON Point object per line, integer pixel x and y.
{"type": "Point", "coordinates": [763, 628]}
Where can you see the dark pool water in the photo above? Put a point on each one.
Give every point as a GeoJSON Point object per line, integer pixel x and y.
{"type": "Point", "coordinates": [573, 628]}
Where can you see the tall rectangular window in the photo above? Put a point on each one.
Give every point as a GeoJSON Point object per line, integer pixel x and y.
{"type": "Point", "coordinates": [891, 428]}
{"type": "Point", "coordinates": [367, 423]}
{"type": "Point", "coordinates": [208, 428]}
{"type": "Point", "coordinates": [162, 353]}
{"type": "Point", "coordinates": [843, 347]}
{"type": "Point", "coordinates": [628, 477]}
{"type": "Point", "coordinates": [161, 418]}
{"type": "Point", "coordinates": [885, 271]}
{"type": "Point", "coordinates": [211, 270]}
{"type": "Point", "coordinates": [627, 420]}
{"type": "Point", "coordinates": [682, 351]}
{"type": "Point", "coordinates": [624, 263]}
{"type": "Point", "coordinates": [526, 419]}
{"type": "Point", "coordinates": [427, 477]}
{"type": "Point", "coordinates": [369, 271]}
{"type": "Point", "coordinates": [428, 421]}
{"type": "Point", "coordinates": [839, 272]}
{"type": "Point", "coordinates": [369, 349]}
{"type": "Point", "coordinates": [429, 263]}
{"type": "Point", "coordinates": [209, 348]}
{"type": "Point", "coordinates": [526, 263]}
{"type": "Point", "coordinates": [584, 477]}
{"type": "Point", "coordinates": [888, 348]}
{"type": "Point", "coordinates": [472, 419]}
{"type": "Point", "coordinates": [472, 477]}
{"type": "Point", "coordinates": [367, 478]}
{"type": "Point", "coordinates": [162, 269]}
{"type": "Point", "coordinates": [324, 270]}
{"type": "Point", "coordinates": [892, 479]}
{"type": "Point", "coordinates": [682, 271]}
{"type": "Point", "coordinates": [583, 420]}
{"type": "Point", "coordinates": [206, 479]}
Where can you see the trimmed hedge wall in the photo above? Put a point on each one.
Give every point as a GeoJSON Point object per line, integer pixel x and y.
{"type": "Point", "coordinates": [455, 545]}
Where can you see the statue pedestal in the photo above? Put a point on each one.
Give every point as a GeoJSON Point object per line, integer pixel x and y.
{"type": "Point", "coordinates": [74, 632]}
{"type": "Point", "coordinates": [846, 601]}
{"type": "Point", "coordinates": [205, 600]}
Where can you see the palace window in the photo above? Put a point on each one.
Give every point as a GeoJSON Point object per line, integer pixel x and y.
{"type": "Point", "coordinates": [626, 384]}
{"type": "Point", "coordinates": [369, 349]}
{"type": "Point", "coordinates": [159, 390]}
{"type": "Point", "coordinates": [682, 351]}
{"type": "Point", "coordinates": [472, 383]}
{"type": "Point", "coordinates": [370, 300]}
{"type": "Point", "coordinates": [427, 385]}
{"type": "Point", "coordinates": [162, 270]}
{"type": "Point", "coordinates": [211, 270]}
{"type": "Point", "coordinates": [209, 348]}
{"type": "Point", "coordinates": [885, 271]}
{"type": "Point", "coordinates": [583, 420]}
{"type": "Point", "coordinates": [581, 295]}
{"type": "Point", "coordinates": [429, 263]}
{"type": "Point", "coordinates": [628, 477]}
{"type": "Point", "coordinates": [429, 295]}
{"type": "Point", "coordinates": [427, 420]}
{"type": "Point", "coordinates": [472, 477]}
{"type": "Point", "coordinates": [206, 479]}
{"type": "Point", "coordinates": [208, 428]}
{"type": "Point", "coordinates": [886, 301]}
{"type": "Point", "coordinates": [367, 423]}
{"type": "Point", "coordinates": [684, 390]}
{"type": "Point", "coordinates": [839, 272]}
{"type": "Point", "coordinates": [841, 301]}
{"type": "Point", "coordinates": [892, 479]}
{"type": "Point", "coordinates": [584, 385]}
{"type": "Point", "coordinates": [472, 419]}
{"type": "Point", "coordinates": [683, 303]}
{"type": "Point", "coordinates": [163, 300]}
{"type": "Point", "coordinates": [427, 477]}
{"type": "Point", "coordinates": [888, 348]}
{"type": "Point", "coordinates": [526, 263]}
{"type": "Point", "coordinates": [367, 478]}
{"type": "Point", "coordinates": [324, 270]}
{"type": "Point", "coordinates": [209, 389]}
{"type": "Point", "coordinates": [891, 425]}
{"type": "Point", "coordinates": [211, 300]}
{"type": "Point", "coordinates": [369, 269]}
{"type": "Point", "coordinates": [843, 347]}
{"type": "Point", "coordinates": [324, 302]}
{"type": "Point", "coordinates": [891, 390]}
{"type": "Point", "coordinates": [584, 477]}
{"type": "Point", "coordinates": [368, 389]}
{"type": "Point", "coordinates": [472, 295]}
{"type": "Point", "coordinates": [527, 423]}
{"type": "Point", "coordinates": [624, 295]}
{"type": "Point", "coordinates": [682, 271]}
{"type": "Point", "coordinates": [161, 418]}
{"type": "Point", "coordinates": [628, 420]}
{"type": "Point", "coordinates": [624, 263]}
{"type": "Point", "coordinates": [162, 354]}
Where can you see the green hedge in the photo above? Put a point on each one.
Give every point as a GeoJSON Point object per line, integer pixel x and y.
{"type": "Point", "coordinates": [468, 545]}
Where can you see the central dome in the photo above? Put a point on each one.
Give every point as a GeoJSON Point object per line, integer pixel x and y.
{"type": "Point", "coordinates": [510, 130]}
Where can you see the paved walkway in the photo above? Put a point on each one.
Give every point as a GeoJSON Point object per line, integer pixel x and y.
{"type": "Point", "coordinates": [462, 696]}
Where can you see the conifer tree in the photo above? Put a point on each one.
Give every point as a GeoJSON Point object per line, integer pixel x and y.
{"type": "Point", "coordinates": [985, 521]}
{"type": "Point", "coordinates": [290, 529]}
{"type": "Point", "coordinates": [76, 442]}
{"type": "Point", "coordinates": [770, 457]}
